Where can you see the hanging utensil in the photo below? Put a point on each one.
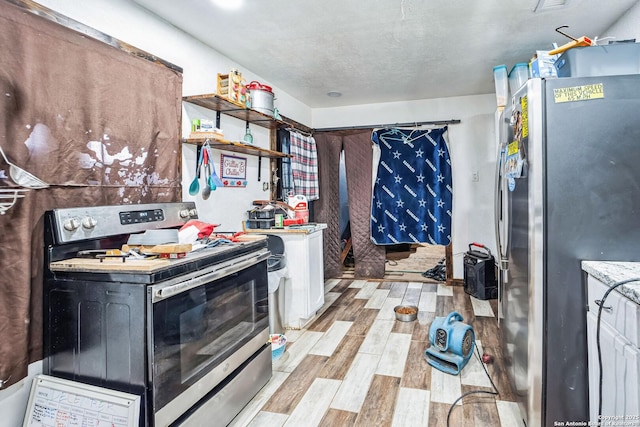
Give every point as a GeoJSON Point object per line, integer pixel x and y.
{"type": "Point", "coordinates": [211, 182]}
{"type": "Point", "coordinates": [194, 188]}
{"type": "Point", "coordinates": [22, 177]}
{"type": "Point", "coordinates": [9, 197]}
{"type": "Point", "coordinates": [206, 190]}
{"type": "Point", "coordinates": [217, 182]}
{"type": "Point", "coordinates": [215, 178]}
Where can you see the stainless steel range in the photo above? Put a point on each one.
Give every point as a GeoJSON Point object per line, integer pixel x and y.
{"type": "Point", "coordinates": [186, 334]}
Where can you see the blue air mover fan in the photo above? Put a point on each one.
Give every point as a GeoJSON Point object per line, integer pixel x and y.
{"type": "Point", "coordinates": [452, 343]}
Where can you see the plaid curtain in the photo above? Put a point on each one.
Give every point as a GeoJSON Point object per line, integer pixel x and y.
{"type": "Point", "coordinates": [304, 165]}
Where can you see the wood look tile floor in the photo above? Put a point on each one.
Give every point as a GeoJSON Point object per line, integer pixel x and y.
{"type": "Point", "coordinates": [354, 364]}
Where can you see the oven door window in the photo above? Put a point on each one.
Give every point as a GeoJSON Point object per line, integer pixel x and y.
{"type": "Point", "coordinates": [196, 330]}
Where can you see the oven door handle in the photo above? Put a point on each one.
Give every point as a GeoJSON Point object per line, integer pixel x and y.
{"type": "Point", "coordinates": [229, 268]}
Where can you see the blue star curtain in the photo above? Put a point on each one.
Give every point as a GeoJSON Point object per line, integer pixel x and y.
{"type": "Point", "coordinates": [413, 191]}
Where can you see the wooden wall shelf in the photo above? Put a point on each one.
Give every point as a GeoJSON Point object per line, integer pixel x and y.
{"type": "Point", "coordinates": [216, 102]}
{"type": "Point", "coordinates": [219, 103]}
{"type": "Point", "coordinates": [237, 147]}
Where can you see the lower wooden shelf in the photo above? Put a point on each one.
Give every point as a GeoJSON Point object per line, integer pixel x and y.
{"type": "Point", "coordinates": [237, 147]}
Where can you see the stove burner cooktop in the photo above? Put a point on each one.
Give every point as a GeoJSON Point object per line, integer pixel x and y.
{"type": "Point", "coordinates": [149, 271]}
{"type": "Point", "coordinates": [71, 231]}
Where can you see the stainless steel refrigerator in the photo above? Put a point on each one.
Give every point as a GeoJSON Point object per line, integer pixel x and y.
{"type": "Point", "coordinates": [568, 189]}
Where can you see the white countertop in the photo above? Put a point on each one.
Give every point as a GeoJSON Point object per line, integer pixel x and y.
{"type": "Point", "coordinates": [303, 228]}
{"type": "Point", "coordinates": [610, 272]}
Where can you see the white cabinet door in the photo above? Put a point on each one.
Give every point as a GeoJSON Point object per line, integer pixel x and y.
{"type": "Point", "coordinates": [304, 289]}
{"type": "Point", "coordinates": [620, 368]}
{"type": "Point", "coordinates": [316, 272]}
{"type": "Point", "coordinates": [624, 315]}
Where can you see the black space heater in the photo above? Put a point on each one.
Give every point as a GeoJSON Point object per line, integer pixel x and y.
{"type": "Point", "coordinates": [480, 273]}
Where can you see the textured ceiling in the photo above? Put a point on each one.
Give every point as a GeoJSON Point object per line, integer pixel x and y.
{"type": "Point", "coordinates": [383, 50]}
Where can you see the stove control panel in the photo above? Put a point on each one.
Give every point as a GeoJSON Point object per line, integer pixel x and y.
{"type": "Point", "coordinates": [133, 217]}
{"type": "Point", "coordinates": [73, 224]}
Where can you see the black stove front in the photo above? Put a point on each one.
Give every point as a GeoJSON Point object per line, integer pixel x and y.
{"type": "Point", "coordinates": [176, 334]}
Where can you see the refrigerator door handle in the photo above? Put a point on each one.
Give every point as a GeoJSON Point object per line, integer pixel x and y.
{"type": "Point", "coordinates": [503, 263]}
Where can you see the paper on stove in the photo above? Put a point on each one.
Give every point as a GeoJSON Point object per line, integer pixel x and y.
{"type": "Point", "coordinates": [154, 237]}
{"type": "Point", "coordinates": [188, 234]}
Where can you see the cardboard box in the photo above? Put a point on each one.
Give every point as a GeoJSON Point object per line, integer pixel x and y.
{"type": "Point", "coordinates": [543, 65]}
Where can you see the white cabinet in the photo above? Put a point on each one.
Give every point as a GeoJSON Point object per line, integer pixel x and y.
{"type": "Point", "coordinates": [304, 288]}
{"type": "Point", "coordinates": [620, 349]}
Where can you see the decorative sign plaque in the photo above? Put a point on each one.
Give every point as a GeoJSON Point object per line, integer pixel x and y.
{"type": "Point", "coordinates": [233, 170]}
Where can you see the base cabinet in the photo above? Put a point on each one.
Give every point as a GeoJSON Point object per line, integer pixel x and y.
{"type": "Point", "coordinates": [303, 286]}
{"type": "Point", "coordinates": [620, 357]}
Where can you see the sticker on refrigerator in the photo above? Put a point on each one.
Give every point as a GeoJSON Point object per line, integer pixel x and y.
{"type": "Point", "coordinates": [578, 93]}
{"type": "Point", "coordinates": [513, 148]}
{"type": "Point", "coordinates": [524, 125]}
{"type": "Point", "coordinates": [520, 122]}
{"type": "Point", "coordinates": [513, 164]}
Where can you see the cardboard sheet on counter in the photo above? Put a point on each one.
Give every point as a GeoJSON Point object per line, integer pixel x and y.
{"type": "Point", "coordinates": [301, 229]}
{"type": "Point", "coordinates": [173, 248]}
{"type": "Point", "coordinates": [109, 265]}
{"type": "Point", "coordinates": [250, 237]}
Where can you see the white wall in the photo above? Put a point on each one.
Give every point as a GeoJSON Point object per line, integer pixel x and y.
{"type": "Point", "coordinates": [472, 147]}
{"type": "Point", "coordinates": [627, 27]}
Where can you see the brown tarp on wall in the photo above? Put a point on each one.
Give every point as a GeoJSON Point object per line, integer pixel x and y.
{"type": "Point", "coordinates": [98, 124]}
{"type": "Point", "coordinates": [369, 258]}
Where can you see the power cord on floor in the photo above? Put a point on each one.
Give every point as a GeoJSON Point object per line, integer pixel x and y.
{"type": "Point", "coordinates": [600, 307]}
{"type": "Point", "coordinates": [493, 393]}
